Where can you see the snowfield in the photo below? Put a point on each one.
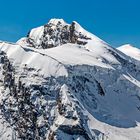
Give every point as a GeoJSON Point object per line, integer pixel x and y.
{"type": "Point", "coordinates": [64, 83]}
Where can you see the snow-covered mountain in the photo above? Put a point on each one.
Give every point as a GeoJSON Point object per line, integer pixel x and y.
{"type": "Point", "coordinates": [57, 32]}
{"type": "Point", "coordinates": [130, 51]}
{"type": "Point", "coordinates": [64, 83]}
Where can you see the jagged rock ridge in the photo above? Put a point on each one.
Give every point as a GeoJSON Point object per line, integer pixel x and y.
{"type": "Point", "coordinates": [56, 33]}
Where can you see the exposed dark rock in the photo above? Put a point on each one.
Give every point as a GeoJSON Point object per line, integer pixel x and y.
{"type": "Point", "coordinates": [59, 34]}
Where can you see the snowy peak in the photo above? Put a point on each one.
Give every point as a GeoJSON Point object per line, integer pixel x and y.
{"type": "Point", "coordinates": [130, 50]}
{"type": "Point", "coordinates": [57, 32]}
{"type": "Point", "coordinates": [126, 46]}
{"type": "Point", "coordinates": [56, 21]}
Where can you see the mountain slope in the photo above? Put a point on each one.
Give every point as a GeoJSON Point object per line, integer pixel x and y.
{"type": "Point", "coordinates": [68, 91]}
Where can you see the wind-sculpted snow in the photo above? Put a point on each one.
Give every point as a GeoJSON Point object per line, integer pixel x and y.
{"type": "Point", "coordinates": [74, 91]}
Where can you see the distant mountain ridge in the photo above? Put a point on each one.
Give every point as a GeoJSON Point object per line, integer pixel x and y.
{"type": "Point", "coordinates": [131, 51]}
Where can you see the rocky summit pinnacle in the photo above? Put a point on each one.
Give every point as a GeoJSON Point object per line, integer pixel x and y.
{"type": "Point", "coordinates": [55, 33]}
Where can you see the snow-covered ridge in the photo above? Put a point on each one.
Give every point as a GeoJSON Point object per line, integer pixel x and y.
{"type": "Point", "coordinates": [130, 51]}
{"type": "Point", "coordinates": [56, 21]}
{"type": "Point", "coordinates": [71, 91]}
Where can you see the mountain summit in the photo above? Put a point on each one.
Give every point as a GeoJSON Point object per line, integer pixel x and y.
{"type": "Point", "coordinates": [130, 50]}
{"type": "Point", "coordinates": [57, 32]}
{"type": "Point", "coordinates": [64, 83]}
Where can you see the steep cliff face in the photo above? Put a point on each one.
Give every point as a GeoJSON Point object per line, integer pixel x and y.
{"type": "Point", "coordinates": [69, 90]}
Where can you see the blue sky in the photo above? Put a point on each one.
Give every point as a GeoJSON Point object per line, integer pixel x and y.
{"type": "Point", "coordinates": [115, 21]}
